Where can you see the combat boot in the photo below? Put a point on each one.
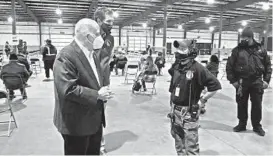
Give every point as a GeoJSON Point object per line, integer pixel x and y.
{"type": "Point", "coordinates": [259, 131]}
{"type": "Point", "coordinates": [240, 127]}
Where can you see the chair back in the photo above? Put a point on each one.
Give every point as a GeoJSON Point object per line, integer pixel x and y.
{"type": "Point", "coordinates": [13, 81]}
{"type": "Point", "coordinates": [132, 66]}
{"type": "Point", "coordinates": [150, 72]}
{"type": "Point", "coordinates": [33, 60]}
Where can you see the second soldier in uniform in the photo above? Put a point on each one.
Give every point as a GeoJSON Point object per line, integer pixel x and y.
{"type": "Point", "coordinates": [188, 80]}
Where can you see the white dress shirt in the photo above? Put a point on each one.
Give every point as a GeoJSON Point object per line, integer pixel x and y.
{"type": "Point", "coordinates": [89, 56]}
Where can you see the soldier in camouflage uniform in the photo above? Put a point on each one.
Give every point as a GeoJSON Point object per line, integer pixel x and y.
{"type": "Point", "coordinates": [105, 18]}
{"type": "Point", "coordinates": [188, 80]}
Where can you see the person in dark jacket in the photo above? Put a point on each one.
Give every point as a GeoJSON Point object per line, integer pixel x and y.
{"type": "Point", "coordinates": [49, 55]}
{"type": "Point", "coordinates": [105, 19]}
{"type": "Point", "coordinates": [249, 71]}
{"type": "Point", "coordinates": [25, 52]}
{"type": "Point", "coordinates": [20, 47]}
{"type": "Point", "coordinates": [188, 80]}
{"type": "Point", "coordinates": [213, 65]}
{"type": "Point", "coordinates": [121, 62]}
{"type": "Point", "coordinates": [7, 48]}
{"type": "Point", "coordinates": [15, 68]}
{"type": "Point", "coordinates": [160, 62]}
{"type": "Point", "coordinates": [23, 60]}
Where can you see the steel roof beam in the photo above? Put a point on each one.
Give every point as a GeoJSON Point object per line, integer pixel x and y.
{"type": "Point", "coordinates": [229, 6]}
{"type": "Point", "coordinates": [225, 22]}
{"type": "Point", "coordinates": [146, 13]}
{"type": "Point", "coordinates": [31, 14]}
{"type": "Point", "coordinates": [94, 4]}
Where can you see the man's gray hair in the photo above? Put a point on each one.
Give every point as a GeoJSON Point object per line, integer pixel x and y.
{"type": "Point", "coordinates": [85, 26]}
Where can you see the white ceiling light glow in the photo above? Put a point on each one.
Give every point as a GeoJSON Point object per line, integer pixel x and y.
{"type": "Point", "coordinates": [211, 29]}
{"type": "Point", "coordinates": [144, 25]}
{"type": "Point", "coordinates": [244, 23]}
{"type": "Point", "coordinates": [60, 21]}
{"type": "Point", "coordinates": [10, 19]}
{"type": "Point", "coordinates": [58, 11]}
{"type": "Point", "coordinates": [115, 14]}
{"type": "Point", "coordinates": [180, 26]}
{"type": "Point", "coordinates": [210, 1]}
{"type": "Point", "coordinates": [207, 20]}
{"type": "Point", "coordinates": [266, 6]}
{"type": "Point", "coordinates": [240, 30]}
{"type": "Point", "coordinates": [264, 31]}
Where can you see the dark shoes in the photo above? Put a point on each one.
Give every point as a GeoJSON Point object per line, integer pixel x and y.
{"type": "Point", "coordinates": [24, 97]}
{"type": "Point", "coordinates": [239, 128]}
{"type": "Point", "coordinates": [259, 131]}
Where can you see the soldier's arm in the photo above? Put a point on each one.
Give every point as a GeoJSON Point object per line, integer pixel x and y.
{"type": "Point", "coordinates": [208, 80]}
{"type": "Point", "coordinates": [230, 66]}
{"type": "Point", "coordinates": [268, 68]}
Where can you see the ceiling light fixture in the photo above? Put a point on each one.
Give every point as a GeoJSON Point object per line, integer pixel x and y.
{"type": "Point", "coordinates": [211, 29]}
{"type": "Point", "coordinates": [264, 31]}
{"type": "Point", "coordinates": [266, 6]}
{"type": "Point", "coordinates": [60, 21]}
{"type": "Point", "coordinates": [240, 30]}
{"type": "Point", "coordinates": [144, 25]}
{"type": "Point", "coordinates": [180, 26]}
{"type": "Point", "coordinates": [210, 1]}
{"type": "Point", "coordinates": [10, 19]}
{"type": "Point", "coordinates": [115, 14]}
{"type": "Point", "coordinates": [58, 11]}
{"type": "Point", "coordinates": [244, 23]}
{"type": "Point", "coordinates": [207, 20]}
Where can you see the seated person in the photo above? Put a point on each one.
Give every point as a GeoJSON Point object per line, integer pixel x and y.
{"type": "Point", "coordinates": [112, 63]}
{"type": "Point", "coordinates": [15, 68]}
{"type": "Point", "coordinates": [160, 62]}
{"type": "Point", "coordinates": [141, 63]}
{"type": "Point", "coordinates": [121, 61]}
{"type": "Point", "coordinates": [23, 60]}
{"type": "Point", "coordinates": [147, 72]}
{"type": "Point", "coordinates": [213, 65]}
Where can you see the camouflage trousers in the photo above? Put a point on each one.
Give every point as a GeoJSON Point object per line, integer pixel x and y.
{"type": "Point", "coordinates": [187, 145]}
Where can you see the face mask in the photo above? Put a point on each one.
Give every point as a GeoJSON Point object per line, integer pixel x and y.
{"type": "Point", "coordinates": [244, 42]}
{"type": "Point", "coordinates": [106, 28]}
{"type": "Point", "coordinates": [98, 43]}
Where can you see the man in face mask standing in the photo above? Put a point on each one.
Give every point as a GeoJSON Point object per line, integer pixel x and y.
{"type": "Point", "coordinates": [249, 71]}
{"type": "Point", "coordinates": [105, 18]}
{"type": "Point", "coordinates": [79, 93]}
{"type": "Point", "coordinates": [188, 80]}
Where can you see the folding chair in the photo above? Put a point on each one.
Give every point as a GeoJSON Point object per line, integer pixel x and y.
{"type": "Point", "coordinates": [6, 107]}
{"type": "Point", "coordinates": [13, 82]}
{"type": "Point", "coordinates": [152, 81]}
{"type": "Point", "coordinates": [35, 65]}
{"type": "Point", "coordinates": [131, 70]}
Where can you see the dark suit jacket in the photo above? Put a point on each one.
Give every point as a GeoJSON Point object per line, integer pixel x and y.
{"type": "Point", "coordinates": [105, 56]}
{"type": "Point", "coordinates": [13, 67]}
{"type": "Point", "coordinates": [77, 110]}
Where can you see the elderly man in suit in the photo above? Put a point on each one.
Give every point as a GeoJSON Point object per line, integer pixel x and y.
{"type": "Point", "coordinates": [79, 93]}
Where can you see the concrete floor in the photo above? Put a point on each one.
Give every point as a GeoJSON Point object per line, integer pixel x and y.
{"type": "Point", "coordinates": [137, 124]}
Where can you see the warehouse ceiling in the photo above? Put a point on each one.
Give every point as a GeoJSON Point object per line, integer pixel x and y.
{"type": "Point", "coordinates": [191, 14]}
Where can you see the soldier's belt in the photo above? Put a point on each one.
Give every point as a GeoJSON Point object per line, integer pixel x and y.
{"type": "Point", "coordinates": [181, 108]}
